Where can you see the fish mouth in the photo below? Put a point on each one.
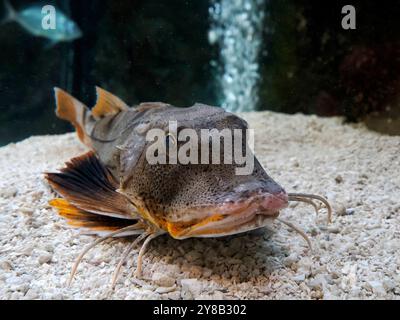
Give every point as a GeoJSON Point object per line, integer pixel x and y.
{"type": "Point", "coordinates": [231, 217]}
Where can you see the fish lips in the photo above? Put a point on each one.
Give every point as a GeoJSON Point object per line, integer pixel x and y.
{"type": "Point", "coordinates": [266, 202]}
{"type": "Point", "coordinates": [256, 210]}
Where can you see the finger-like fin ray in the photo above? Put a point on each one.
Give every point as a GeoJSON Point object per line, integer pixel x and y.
{"type": "Point", "coordinates": [91, 222]}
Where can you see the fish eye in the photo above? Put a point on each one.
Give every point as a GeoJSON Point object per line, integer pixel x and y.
{"type": "Point", "coordinates": [170, 140]}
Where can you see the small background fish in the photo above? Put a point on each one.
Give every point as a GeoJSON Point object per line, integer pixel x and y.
{"type": "Point", "coordinates": [30, 18]}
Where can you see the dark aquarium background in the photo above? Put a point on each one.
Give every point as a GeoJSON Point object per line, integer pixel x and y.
{"type": "Point", "coordinates": [281, 55]}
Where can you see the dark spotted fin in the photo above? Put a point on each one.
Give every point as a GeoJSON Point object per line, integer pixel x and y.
{"type": "Point", "coordinates": [107, 104]}
{"type": "Point", "coordinates": [92, 223]}
{"type": "Point", "coordinates": [87, 185]}
{"type": "Point", "coordinates": [74, 111]}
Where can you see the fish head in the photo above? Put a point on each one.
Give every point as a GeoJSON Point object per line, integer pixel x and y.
{"type": "Point", "coordinates": [199, 198]}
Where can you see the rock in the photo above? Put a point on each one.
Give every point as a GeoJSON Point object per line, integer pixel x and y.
{"type": "Point", "coordinates": [377, 287]}
{"type": "Point", "coordinates": [45, 258]}
{"type": "Point", "coordinates": [339, 179]}
{"type": "Point", "coordinates": [318, 294]}
{"type": "Point", "coordinates": [294, 162]}
{"type": "Point", "coordinates": [389, 284]}
{"type": "Point", "coordinates": [207, 273]}
{"type": "Point", "coordinates": [218, 295]}
{"type": "Point", "coordinates": [339, 209]}
{"type": "Point", "coordinates": [355, 292]}
{"type": "Point", "coordinates": [172, 270]}
{"type": "Point", "coordinates": [318, 282]}
{"type": "Point", "coordinates": [305, 266]}
{"type": "Point", "coordinates": [299, 277]}
{"type": "Point", "coordinates": [36, 195]}
{"type": "Point", "coordinates": [27, 211]}
{"type": "Point", "coordinates": [334, 229]}
{"type": "Point", "coordinates": [191, 288]}
{"type": "Point", "coordinates": [8, 192]}
{"type": "Point", "coordinates": [16, 295]}
{"type": "Point", "coordinates": [162, 279]}
{"type": "Point", "coordinates": [195, 272]}
{"type": "Point", "coordinates": [49, 248]}
{"type": "Point", "coordinates": [31, 295]}
{"type": "Point", "coordinates": [292, 258]}
{"type": "Point", "coordinates": [162, 290]}
{"type": "Point", "coordinates": [14, 280]}
{"type": "Point", "coordinates": [27, 251]}
{"type": "Point", "coordinates": [330, 296]}
{"type": "Point", "coordinates": [193, 256]}
{"type": "Point", "coordinates": [6, 265]}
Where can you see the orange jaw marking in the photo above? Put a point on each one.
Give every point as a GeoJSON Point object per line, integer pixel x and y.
{"type": "Point", "coordinates": [176, 229]}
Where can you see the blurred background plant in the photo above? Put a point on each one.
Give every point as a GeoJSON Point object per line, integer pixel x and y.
{"type": "Point", "coordinates": [151, 50]}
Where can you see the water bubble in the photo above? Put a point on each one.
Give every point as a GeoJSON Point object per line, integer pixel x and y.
{"type": "Point", "coordinates": [237, 26]}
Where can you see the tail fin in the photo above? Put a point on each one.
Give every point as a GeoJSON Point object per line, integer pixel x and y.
{"type": "Point", "coordinates": [10, 13]}
{"type": "Point", "coordinates": [69, 108]}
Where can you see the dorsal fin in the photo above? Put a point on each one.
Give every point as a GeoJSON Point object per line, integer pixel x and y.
{"type": "Point", "coordinates": [71, 109]}
{"type": "Point", "coordinates": [107, 104]}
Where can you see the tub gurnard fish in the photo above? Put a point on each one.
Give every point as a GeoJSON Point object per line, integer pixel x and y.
{"type": "Point", "coordinates": [112, 190]}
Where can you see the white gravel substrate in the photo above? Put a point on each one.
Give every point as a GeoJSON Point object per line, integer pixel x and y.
{"type": "Point", "coordinates": [357, 256]}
